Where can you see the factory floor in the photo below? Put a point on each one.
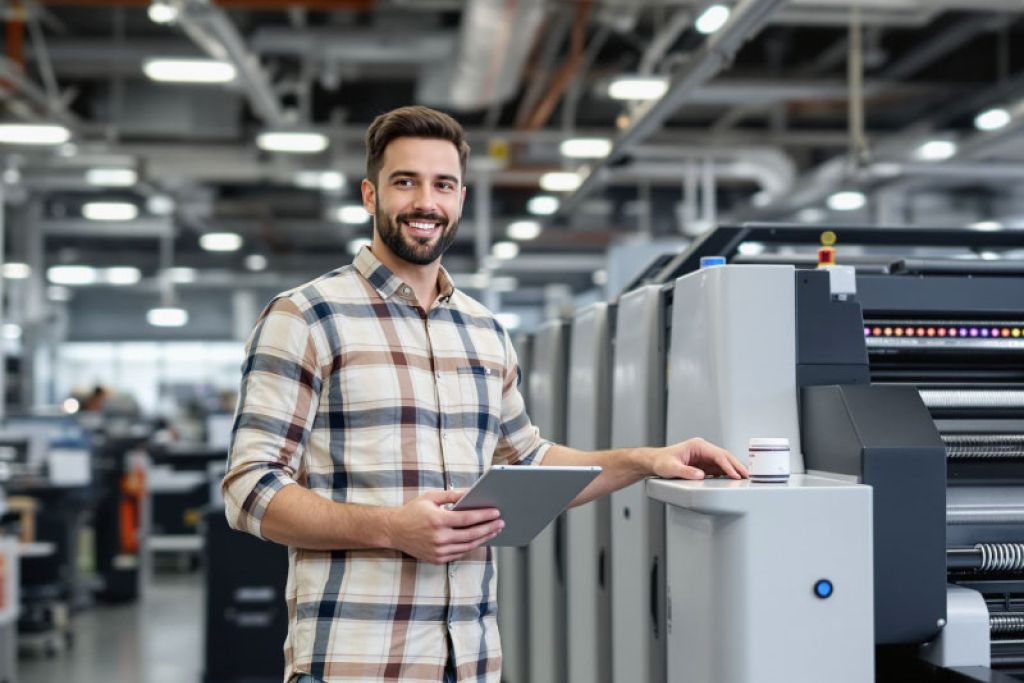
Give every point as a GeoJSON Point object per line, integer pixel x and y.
{"type": "Point", "coordinates": [156, 640]}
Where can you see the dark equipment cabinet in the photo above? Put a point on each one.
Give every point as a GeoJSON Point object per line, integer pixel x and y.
{"type": "Point", "coordinates": [246, 617]}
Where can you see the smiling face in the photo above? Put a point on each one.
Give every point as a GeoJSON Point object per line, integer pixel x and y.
{"type": "Point", "coordinates": [417, 199]}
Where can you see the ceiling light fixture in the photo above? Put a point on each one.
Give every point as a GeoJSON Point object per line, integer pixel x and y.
{"type": "Point", "coordinates": [111, 177]}
{"type": "Point", "coordinates": [504, 250]}
{"type": "Point", "coordinates": [160, 205]}
{"type": "Point", "coordinates": [167, 316]}
{"type": "Point", "coordinates": [542, 205]}
{"type": "Point", "coordinates": [33, 134]}
{"type": "Point", "coordinates": [846, 200]}
{"type": "Point", "coordinates": [523, 230]}
{"type": "Point", "coordinates": [992, 119]}
{"type": "Point", "coordinates": [72, 275]}
{"type": "Point", "coordinates": [319, 180]}
{"type": "Point", "coordinates": [638, 88]}
{"type": "Point", "coordinates": [586, 148]}
{"type": "Point", "coordinates": [122, 275]}
{"type": "Point", "coordinates": [560, 181]}
{"type": "Point", "coordinates": [986, 226]}
{"type": "Point", "coordinates": [181, 275]}
{"type": "Point", "coordinates": [12, 331]}
{"type": "Point", "coordinates": [161, 12]}
{"type": "Point", "coordinates": [357, 244]}
{"type": "Point", "coordinates": [179, 70]}
{"type": "Point", "coordinates": [292, 142]}
{"type": "Point", "coordinates": [712, 19]}
{"type": "Point", "coordinates": [936, 150]}
{"type": "Point", "coordinates": [353, 214]}
{"type": "Point", "coordinates": [510, 321]}
{"type": "Point", "coordinates": [14, 270]}
{"type": "Point", "coordinates": [220, 241]}
{"type": "Point", "coordinates": [750, 248]}
{"type": "Point", "coordinates": [110, 211]}
{"type": "Point", "coordinates": [256, 262]}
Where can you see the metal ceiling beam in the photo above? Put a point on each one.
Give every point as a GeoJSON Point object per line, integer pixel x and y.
{"type": "Point", "coordinates": [936, 47]}
{"type": "Point", "coordinates": [717, 51]}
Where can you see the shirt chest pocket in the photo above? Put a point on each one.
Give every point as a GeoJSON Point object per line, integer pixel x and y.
{"type": "Point", "coordinates": [480, 388]}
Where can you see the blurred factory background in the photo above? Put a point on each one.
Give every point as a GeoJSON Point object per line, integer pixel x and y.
{"type": "Point", "coordinates": [168, 166]}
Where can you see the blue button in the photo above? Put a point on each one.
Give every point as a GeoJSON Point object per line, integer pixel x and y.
{"type": "Point", "coordinates": [823, 589]}
{"type": "Point", "coordinates": [711, 261]}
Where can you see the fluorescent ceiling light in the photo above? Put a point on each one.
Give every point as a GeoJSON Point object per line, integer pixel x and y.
{"type": "Point", "coordinates": [357, 244]}
{"type": "Point", "coordinates": [510, 321]}
{"type": "Point", "coordinates": [110, 211]}
{"type": "Point", "coordinates": [167, 316]}
{"type": "Point", "coordinates": [256, 262]}
{"type": "Point", "coordinates": [72, 275]}
{"type": "Point", "coordinates": [712, 19]}
{"type": "Point", "coordinates": [638, 88]}
{"type": "Point", "coordinates": [111, 177]}
{"type": "Point", "coordinates": [987, 226]}
{"type": "Point", "coordinates": [846, 201]}
{"type": "Point", "coordinates": [353, 214]}
{"type": "Point", "coordinates": [220, 241]}
{"type": "Point", "coordinates": [33, 134]}
{"type": "Point", "coordinates": [58, 293]}
{"type": "Point", "coordinates": [586, 148]}
{"type": "Point", "coordinates": [189, 70]}
{"type": "Point", "coordinates": [811, 214]}
{"type": "Point", "coordinates": [12, 331]}
{"type": "Point", "coordinates": [992, 119]}
{"type": "Point", "coordinates": [560, 181]}
{"type": "Point", "coordinates": [182, 276]}
{"type": "Point", "coordinates": [599, 277]}
{"type": "Point", "coordinates": [542, 205]}
{"type": "Point", "coordinates": [292, 141]}
{"type": "Point", "coordinates": [523, 230]}
{"type": "Point", "coordinates": [16, 271]}
{"type": "Point", "coordinates": [936, 150]}
{"type": "Point", "coordinates": [162, 12]}
{"type": "Point", "coordinates": [122, 275]}
{"type": "Point", "coordinates": [504, 250]}
{"type": "Point", "coordinates": [160, 205]}
{"type": "Point", "coordinates": [71, 406]}
{"type": "Point", "coordinates": [320, 180]}
{"type": "Point", "coordinates": [989, 255]}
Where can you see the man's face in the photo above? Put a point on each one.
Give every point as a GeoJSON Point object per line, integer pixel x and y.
{"type": "Point", "coordinates": [417, 198]}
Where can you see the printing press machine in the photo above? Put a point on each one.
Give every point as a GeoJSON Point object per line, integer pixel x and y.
{"type": "Point", "coordinates": [900, 390]}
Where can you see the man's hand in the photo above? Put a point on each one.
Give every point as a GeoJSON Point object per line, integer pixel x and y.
{"type": "Point", "coordinates": [426, 530]}
{"type": "Point", "coordinates": [693, 459]}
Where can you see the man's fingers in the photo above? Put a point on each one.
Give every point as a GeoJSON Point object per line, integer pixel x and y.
{"type": "Point", "coordinates": [687, 472]}
{"type": "Point", "coordinates": [441, 497]}
{"type": "Point", "coordinates": [450, 553]}
{"type": "Point", "coordinates": [474, 533]}
{"type": "Point", "coordinates": [468, 518]}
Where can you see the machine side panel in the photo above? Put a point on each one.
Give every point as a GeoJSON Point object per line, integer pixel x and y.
{"type": "Point", "coordinates": [513, 586]}
{"type": "Point", "coordinates": [732, 361]}
{"type": "Point", "coordinates": [546, 553]}
{"type": "Point", "coordinates": [587, 428]}
{"type": "Point", "coordinates": [638, 522]}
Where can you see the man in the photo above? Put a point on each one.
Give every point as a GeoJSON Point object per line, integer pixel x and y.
{"type": "Point", "coordinates": [382, 392]}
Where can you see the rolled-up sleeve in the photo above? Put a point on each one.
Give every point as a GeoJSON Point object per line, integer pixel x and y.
{"type": "Point", "coordinates": [519, 442]}
{"type": "Point", "coordinates": [277, 404]}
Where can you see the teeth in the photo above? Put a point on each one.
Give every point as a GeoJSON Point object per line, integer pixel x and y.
{"type": "Point", "coordinates": [423, 226]}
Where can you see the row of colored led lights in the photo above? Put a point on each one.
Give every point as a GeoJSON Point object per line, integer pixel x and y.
{"type": "Point", "coordinates": [989, 332]}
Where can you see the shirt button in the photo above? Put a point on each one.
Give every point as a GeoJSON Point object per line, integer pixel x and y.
{"type": "Point", "coordinates": [406, 290]}
{"type": "Point", "coordinates": [438, 375]}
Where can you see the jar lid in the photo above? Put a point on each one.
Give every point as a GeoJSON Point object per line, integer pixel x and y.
{"type": "Point", "coordinates": [769, 442]}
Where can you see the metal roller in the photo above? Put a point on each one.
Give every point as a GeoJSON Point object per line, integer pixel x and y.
{"type": "Point", "coordinates": [1006, 624]}
{"type": "Point", "coordinates": [987, 557]}
{"type": "Point", "coordinates": [972, 398]}
{"type": "Point", "coordinates": [983, 446]}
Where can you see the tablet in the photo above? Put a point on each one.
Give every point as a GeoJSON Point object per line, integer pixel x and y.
{"type": "Point", "coordinates": [528, 497]}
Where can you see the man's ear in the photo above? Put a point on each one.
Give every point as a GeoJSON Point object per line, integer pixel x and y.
{"type": "Point", "coordinates": [369, 192]}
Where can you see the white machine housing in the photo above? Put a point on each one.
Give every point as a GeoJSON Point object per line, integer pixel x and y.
{"type": "Point", "coordinates": [732, 363]}
{"type": "Point", "coordinates": [588, 533]}
{"type": "Point", "coordinates": [638, 522]}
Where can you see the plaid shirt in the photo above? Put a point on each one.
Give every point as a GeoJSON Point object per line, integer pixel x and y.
{"type": "Point", "coordinates": [351, 390]}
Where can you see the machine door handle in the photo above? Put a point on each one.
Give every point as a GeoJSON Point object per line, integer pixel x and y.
{"type": "Point", "coordinates": [601, 569]}
{"type": "Point", "coordinates": [558, 550]}
{"type": "Point", "coordinates": [654, 596]}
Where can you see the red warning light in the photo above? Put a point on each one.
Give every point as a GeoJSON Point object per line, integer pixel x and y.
{"type": "Point", "coordinates": [931, 331]}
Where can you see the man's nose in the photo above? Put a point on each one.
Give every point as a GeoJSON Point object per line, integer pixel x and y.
{"type": "Point", "coordinates": [424, 199]}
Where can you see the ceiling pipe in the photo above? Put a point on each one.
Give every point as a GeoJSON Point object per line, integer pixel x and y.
{"type": "Point", "coordinates": [718, 50]}
{"type": "Point", "coordinates": [562, 79]}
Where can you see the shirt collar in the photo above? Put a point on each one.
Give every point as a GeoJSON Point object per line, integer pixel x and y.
{"type": "Point", "coordinates": [388, 284]}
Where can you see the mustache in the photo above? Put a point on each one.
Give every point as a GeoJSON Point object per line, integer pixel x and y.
{"type": "Point", "coordinates": [421, 216]}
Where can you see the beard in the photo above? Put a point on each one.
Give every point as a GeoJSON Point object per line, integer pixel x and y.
{"type": "Point", "coordinates": [418, 250]}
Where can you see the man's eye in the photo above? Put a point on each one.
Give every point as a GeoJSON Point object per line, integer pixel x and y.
{"type": "Point", "coordinates": [448, 187]}
{"type": "Point", "coordinates": [404, 182]}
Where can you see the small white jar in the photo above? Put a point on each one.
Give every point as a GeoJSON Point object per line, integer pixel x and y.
{"type": "Point", "coordinates": [768, 460]}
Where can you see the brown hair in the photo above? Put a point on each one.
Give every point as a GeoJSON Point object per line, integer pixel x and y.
{"type": "Point", "coordinates": [411, 122]}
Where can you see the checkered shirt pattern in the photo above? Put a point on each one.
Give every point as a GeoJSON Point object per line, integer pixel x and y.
{"type": "Point", "coordinates": [351, 390]}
